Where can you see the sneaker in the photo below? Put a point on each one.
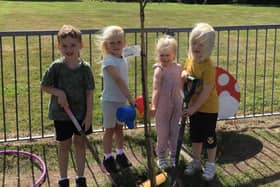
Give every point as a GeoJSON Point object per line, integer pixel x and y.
{"type": "Point", "coordinates": [123, 161]}
{"type": "Point", "coordinates": [81, 182]}
{"type": "Point", "coordinates": [162, 164]}
{"type": "Point", "coordinates": [110, 164]}
{"type": "Point", "coordinates": [209, 171]}
{"type": "Point", "coordinates": [63, 183]}
{"type": "Point", "coordinates": [194, 166]}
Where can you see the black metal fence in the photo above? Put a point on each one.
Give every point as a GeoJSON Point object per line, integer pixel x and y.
{"type": "Point", "coordinates": [250, 53]}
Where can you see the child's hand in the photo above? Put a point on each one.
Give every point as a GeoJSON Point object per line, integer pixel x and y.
{"type": "Point", "coordinates": [62, 99]}
{"type": "Point", "coordinates": [153, 111]}
{"type": "Point", "coordinates": [133, 104]}
{"type": "Point", "coordinates": [184, 74]}
{"type": "Point", "coordinates": [87, 122]}
{"type": "Point", "coordinates": [189, 111]}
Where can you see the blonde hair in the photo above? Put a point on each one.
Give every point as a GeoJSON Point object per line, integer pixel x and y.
{"type": "Point", "coordinates": [69, 30]}
{"type": "Point", "coordinates": [204, 34]}
{"type": "Point", "coordinates": [107, 33]}
{"type": "Point", "coordinates": [166, 42]}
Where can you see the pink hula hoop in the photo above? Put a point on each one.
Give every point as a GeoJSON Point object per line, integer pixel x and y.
{"type": "Point", "coordinates": [40, 181]}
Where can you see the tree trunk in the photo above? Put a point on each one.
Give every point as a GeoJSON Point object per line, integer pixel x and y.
{"type": "Point", "coordinates": [147, 123]}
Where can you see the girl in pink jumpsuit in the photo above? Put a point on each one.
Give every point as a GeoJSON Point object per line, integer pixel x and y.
{"type": "Point", "coordinates": [166, 99]}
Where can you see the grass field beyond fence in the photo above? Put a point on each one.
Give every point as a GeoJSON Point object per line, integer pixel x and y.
{"type": "Point", "coordinates": [252, 56]}
{"type": "Point", "coordinates": [248, 54]}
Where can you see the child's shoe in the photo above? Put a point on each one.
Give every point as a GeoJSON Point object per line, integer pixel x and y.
{"type": "Point", "coordinates": [162, 164]}
{"type": "Point", "coordinates": [63, 183]}
{"type": "Point", "coordinates": [110, 165]}
{"type": "Point", "coordinates": [123, 161]}
{"type": "Point", "coordinates": [209, 171]}
{"type": "Point", "coordinates": [194, 166]}
{"type": "Point", "coordinates": [81, 182]}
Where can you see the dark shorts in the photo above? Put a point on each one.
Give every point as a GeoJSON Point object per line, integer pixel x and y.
{"type": "Point", "coordinates": [66, 129]}
{"type": "Point", "coordinates": [203, 129]}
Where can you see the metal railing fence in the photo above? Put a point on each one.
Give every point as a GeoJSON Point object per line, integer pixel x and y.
{"type": "Point", "coordinates": [250, 53]}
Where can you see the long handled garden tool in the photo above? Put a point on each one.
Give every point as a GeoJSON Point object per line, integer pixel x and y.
{"type": "Point", "coordinates": [92, 150]}
{"type": "Point", "coordinates": [189, 88]}
{"type": "Point", "coordinates": [159, 179]}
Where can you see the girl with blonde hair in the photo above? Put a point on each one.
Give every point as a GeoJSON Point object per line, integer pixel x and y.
{"type": "Point", "coordinates": [203, 107]}
{"type": "Point", "coordinates": [115, 94]}
{"type": "Point", "coordinates": [166, 99]}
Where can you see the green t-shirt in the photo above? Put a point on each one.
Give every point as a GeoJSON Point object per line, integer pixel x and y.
{"type": "Point", "coordinates": [74, 82]}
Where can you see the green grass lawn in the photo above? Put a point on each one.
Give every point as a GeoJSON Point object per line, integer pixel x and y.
{"type": "Point", "coordinates": [32, 15]}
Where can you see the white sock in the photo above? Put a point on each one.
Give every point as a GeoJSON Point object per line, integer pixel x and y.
{"type": "Point", "coordinates": [107, 155]}
{"type": "Point", "coordinates": [196, 161]}
{"type": "Point", "coordinates": [63, 178]}
{"type": "Point", "coordinates": [119, 151]}
{"type": "Point", "coordinates": [77, 177]}
{"type": "Point", "coordinates": [211, 163]}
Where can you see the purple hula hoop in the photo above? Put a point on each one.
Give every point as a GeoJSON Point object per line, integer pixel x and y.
{"type": "Point", "coordinates": [34, 156]}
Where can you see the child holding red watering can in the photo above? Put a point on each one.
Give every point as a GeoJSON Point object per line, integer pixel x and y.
{"type": "Point", "coordinates": [115, 94]}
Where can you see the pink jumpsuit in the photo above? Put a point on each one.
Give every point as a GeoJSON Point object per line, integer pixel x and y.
{"type": "Point", "coordinates": [169, 110]}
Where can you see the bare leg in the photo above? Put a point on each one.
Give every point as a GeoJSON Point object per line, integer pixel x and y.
{"type": "Point", "coordinates": [196, 149]}
{"type": "Point", "coordinates": [107, 140]}
{"type": "Point", "coordinates": [119, 136]}
{"type": "Point", "coordinates": [63, 156]}
{"type": "Point", "coordinates": [212, 154]}
{"type": "Point", "coordinates": [80, 154]}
